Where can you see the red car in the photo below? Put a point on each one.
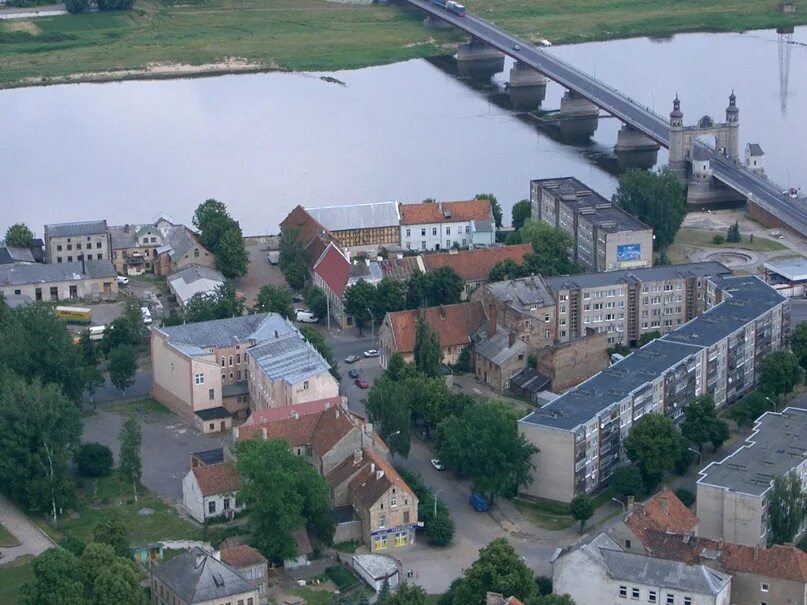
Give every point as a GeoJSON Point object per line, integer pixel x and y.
{"type": "Point", "coordinates": [361, 383]}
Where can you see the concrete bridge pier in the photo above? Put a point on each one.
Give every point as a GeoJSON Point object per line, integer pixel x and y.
{"type": "Point", "coordinates": [634, 149]}
{"type": "Point", "coordinates": [527, 87]}
{"type": "Point", "coordinates": [578, 117]}
{"type": "Point", "coordinates": [478, 60]}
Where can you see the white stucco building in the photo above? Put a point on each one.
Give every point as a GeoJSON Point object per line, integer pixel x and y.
{"type": "Point", "coordinates": [443, 225]}
{"type": "Point", "coordinates": [210, 491]}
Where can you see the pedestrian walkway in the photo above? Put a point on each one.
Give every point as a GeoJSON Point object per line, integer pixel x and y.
{"type": "Point", "coordinates": [32, 540]}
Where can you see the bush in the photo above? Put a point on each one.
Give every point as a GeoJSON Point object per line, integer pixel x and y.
{"type": "Point", "coordinates": [544, 584]}
{"type": "Point", "coordinates": [94, 460]}
{"type": "Point", "coordinates": [341, 577]}
{"type": "Point", "coordinates": [627, 481]}
{"type": "Point", "coordinates": [718, 239]}
{"type": "Point", "coordinates": [685, 496]}
{"type": "Point", "coordinates": [74, 545]}
{"type": "Point", "coordinates": [77, 6]}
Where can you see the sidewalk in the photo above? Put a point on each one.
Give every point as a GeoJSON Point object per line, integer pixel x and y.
{"type": "Point", "coordinates": [33, 540]}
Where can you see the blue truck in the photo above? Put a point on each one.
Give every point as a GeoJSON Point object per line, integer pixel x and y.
{"type": "Point", "coordinates": [479, 502]}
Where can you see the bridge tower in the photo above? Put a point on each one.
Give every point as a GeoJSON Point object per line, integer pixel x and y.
{"type": "Point", "coordinates": [733, 124]}
{"type": "Point", "coordinates": [677, 150]}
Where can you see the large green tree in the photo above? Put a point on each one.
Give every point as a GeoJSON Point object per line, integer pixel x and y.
{"type": "Point", "coordinates": [507, 269]}
{"type": "Point", "coordinates": [522, 210]}
{"type": "Point", "coordinates": [779, 373]}
{"type": "Point", "coordinates": [390, 297]}
{"type": "Point", "coordinates": [109, 577]}
{"type": "Point", "coordinates": [221, 234]}
{"type": "Point", "coordinates": [553, 249]}
{"type": "Point", "coordinates": [484, 443]}
{"type": "Point", "coordinates": [551, 599]}
{"type": "Point", "coordinates": [439, 287]}
{"type": "Point", "coordinates": [231, 254]}
{"type": "Point", "coordinates": [19, 235]}
{"type": "Point", "coordinates": [627, 481]}
{"type": "Point", "coordinates": [130, 466]}
{"type": "Point", "coordinates": [390, 411]}
{"type": "Point", "coordinates": [275, 299]}
{"type": "Point", "coordinates": [56, 581]}
{"type": "Point", "coordinates": [498, 569]}
{"type": "Point", "coordinates": [122, 366]}
{"type": "Point", "coordinates": [40, 430]}
{"type": "Point", "coordinates": [407, 594]}
{"type": "Point", "coordinates": [284, 494]}
{"type": "Point", "coordinates": [655, 445]}
{"type": "Point", "coordinates": [655, 198]}
{"type": "Point", "coordinates": [222, 303]}
{"type": "Point", "coordinates": [359, 302]}
{"type": "Point", "coordinates": [126, 329]}
{"type": "Point", "coordinates": [317, 302]}
{"type": "Point", "coordinates": [495, 207]}
{"type": "Point", "coordinates": [787, 508]}
{"type": "Point", "coordinates": [292, 260]}
{"type": "Point", "coordinates": [112, 532]}
{"type": "Point", "coordinates": [701, 424]}
{"type": "Point", "coordinates": [582, 509]}
{"type": "Point", "coordinates": [428, 354]}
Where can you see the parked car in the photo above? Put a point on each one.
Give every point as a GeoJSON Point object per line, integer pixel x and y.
{"type": "Point", "coordinates": [123, 280]}
{"type": "Point", "coordinates": [273, 257]}
{"type": "Point", "coordinates": [352, 358]}
{"type": "Point", "coordinates": [305, 316]}
{"type": "Point", "coordinates": [354, 373]}
{"type": "Point", "coordinates": [479, 502]}
{"type": "Point", "coordinates": [438, 466]}
{"type": "Point", "coordinates": [362, 383]}
{"type": "Point", "coordinates": [371, 353]}
{"type": "Point", "coordinates": [298, 297]}
{"type": "Point", "coordinates": [144, 311]}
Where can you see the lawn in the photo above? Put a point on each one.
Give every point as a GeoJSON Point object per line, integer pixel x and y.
{"type": "Point", "coordinates": [704, 239]}
{"type": "Point", "coordinates": [543, 516]}
{"type": "Point", "coordinates": [12, 576]}
{"type": "Point", "coordinates": [319, 35]}
{"type": "Point", "coordinates": [138, 408]}
{"type": "Point", "coordinates": [6, 538]}
{"type": "Point", "coordinates": [314, 597]}
{"type": "Point", "coordinates": [110, 498]}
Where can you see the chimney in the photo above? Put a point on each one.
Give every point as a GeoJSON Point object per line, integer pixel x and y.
{"type": "Point", "coordinates": [337, 412]}
{"type": "Point", "coordinates": [276, 334]}
{"type": "Point", "coordinates": [491, 320]}
{"type": "Point", "coordinates": [442, 312]}
{"type": "Point", "coordinates": [295, 415]}
{"type": "Point", "coordinates": [631, 503]}
{"type": "Point", "coordinates": [372, 467]}
{"type": "Point", "coordinates": [379, 474]}
{"type": "Point", "coordinates": [512, 339]}
{"type": "Point", "coordinates": [357, 455]}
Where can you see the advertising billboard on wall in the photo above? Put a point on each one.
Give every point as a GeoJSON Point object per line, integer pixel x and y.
{"type": "Point", "coordinates": [628, 252]}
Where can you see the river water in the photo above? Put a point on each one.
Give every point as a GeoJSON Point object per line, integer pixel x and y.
{"type": "Point", "coordinates": [263, 143]}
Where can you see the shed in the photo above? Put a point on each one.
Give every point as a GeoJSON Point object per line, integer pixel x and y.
{"type": "Point", "coordinates": [377, 569]}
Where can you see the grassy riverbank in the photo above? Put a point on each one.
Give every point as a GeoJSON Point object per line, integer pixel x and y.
{"type": "Point", "coordinates": [247, 35]}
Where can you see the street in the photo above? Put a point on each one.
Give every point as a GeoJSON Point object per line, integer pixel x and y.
{"type": "Point", "coordinates": [347, 342]}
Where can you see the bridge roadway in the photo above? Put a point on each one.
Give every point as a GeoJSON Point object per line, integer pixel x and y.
{"type": "Point", "coordinates": [792, 212]}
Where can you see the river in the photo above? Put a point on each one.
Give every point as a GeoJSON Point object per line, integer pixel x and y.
{"type": "Point", "coordinates": [263, 143]}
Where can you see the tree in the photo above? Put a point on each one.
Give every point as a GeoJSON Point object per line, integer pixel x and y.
{"type": "Point", "coordinates": [428, 354]}
{"type": "Point", "coordinates": [649, 337]}
{"type": "Point", "coordinates": [397, 368]}
{"type": "Point", "coordinates": [484, 443]}
{"type": "Point", "coordinates": [122, 366]}
{"type": "Point", "coordinates": [654, 445]}
{"type": "Point", "coordinates": [212, 220]}
{"type": "Point", "coordinates": [114, 5]}
{"type": "Point", "coordinates": [627, 481]}
{"type": "Point", "coordinates": [317, 341]}
{"type": "Point", "coordinates": [292, 260]}
{"type": "Point", "coordinates": [655, 198]}
{"type": "Point", "coordinates": [733, 233]}
{"type": "Point", "coordinates": [40, 429]}
{"type": "Point", "coordinates": [317, 302]}
{"type": "Point", "coordinates": [20, 236]}
{"type": "Point", "coordinates": [222, 303]}
{"type": "Point", "coordinates": [391, 414]}
{"type": "Point", "coordinates": [274, 299]}
{"type": "Point", "coordinates": [798, 343]}
{"type": "Point", "coordinates": [109, 577]}
{"type": "Point", "coordinates": [507, 269]}
{"type": "Point", "coordinates": [56, 581]}
{"type": "Point", "coordinates": [284, 494]}
{"type": "Point", "coordinates": [75, 7]}
{"type": "Point", "coordinates": [779, 373]}
{"type": "Point", "coordinates": [407, 594]}
{"type": "Point", "coordinates": [582, 509]}
{"type": "Point", "coordinates": [498, 569]}
{"type": "Point", "coordinates": [662, 259]}
{"type": "Point", "coordinates": [718, 239]}
{"type": "Point", "coordinates": [787, 508]}
{"type": "Point", "coordinates": [439, 528]}
{"type": "Point", "coordinates": [359, 299]}
{"type": "Point", "coordinates": [130, 466]}
{"type": "Point", "coordinates": [94, 460]}
{"type": "Point", "coordinates": [521, 211]}
{"type": "Point", "coordinates": [231, 254]}
{"type": "Point", "coordinates": [112, 532]}
{"type": "Point", "coordinates": [390, 297]}
{"type": "Point", "coordinates": [494, 207]}
{"type": "Point", "coordinates": [701, 424]}
{"type": "Point", "coordinates": [552, 249]}
{"type": "Point", "coordinates": [126, 329]}
{"type": "Point", "coordinates": [439, 287]}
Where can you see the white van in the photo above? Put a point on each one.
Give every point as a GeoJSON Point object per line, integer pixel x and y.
{"type": "Point", "coordinates": [144, 311]}
{"type": "Point", "coordinates": [97, 332]}
{"type": "Point", "coordinates": [305, 316]}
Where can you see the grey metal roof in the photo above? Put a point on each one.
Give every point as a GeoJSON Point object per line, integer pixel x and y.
{"type": "Point", "coordinates": [126, 236]}
{"type": "Point", "coordinates": [615, 383]}
{"type": "Point", "coordinates": [197, 576]}
{"type": "Point", "coordinates": [226, 332]}
{"type": "Point", "coordinates": [524, 293]}
{"type": "Point", "coordinates": [482, 225]}
{"type": "Point", "coordinates": [289, 358]}
{"type": "Point", "coordinates": [235, 389]}
{"type": "Point", "coordinates": [357, 216]}
{"type": "Point", "coordinates": [75, 229]}
{"type": "Point", "coordinates": [214, 456]}
{"type": "Point", "coordinates": [213, 413]}
{"type": "Point", "coordinates": [193, 280]}
{"type": "Point", "coordinates": [498, 350]}
{"type": "Point", "coordinates": [700, 154]}
{"type": "Point", "coordinates": [15, 254]}
{"type": "Point", "coordinates": [777, 445]}
{"type": "Point", "coordinates": [635, 276]}
{"type": "Point", "coordinates": [792, 269]}
{"type": "Point", "coordinates": [755, 149]}
{"type": "Point", "coordinates": [590, 204]}
{"type": "Point", "coordinates": [17, 274]}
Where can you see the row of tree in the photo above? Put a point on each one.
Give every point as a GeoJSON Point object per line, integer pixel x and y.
{"type": "Point", "coordinates": [75, 7]}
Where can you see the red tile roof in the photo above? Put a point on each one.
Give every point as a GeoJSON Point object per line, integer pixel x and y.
{"type": "Point", "coordinates": [783, 562]}
{"type": "Point", "coordinates": [287, 411]}
{"type": "Point", "coordinates": [241, 556]}
{"type": "Point", "coordinates": [663, 512]}
{"type": "Point", "coordinates": [306, 225]}
{"type": "Point", "coordinates": [368, 487]}
{"type": "Point", "coordinates": [475, 265]}
{"type": "Point", "coordinates": [334, 269]}
{"type": "Point", "coordinates": [454, 324]}
{"type": "Point", "coordinates": [217, 478]}
{"type": "Point", "coordinates": [436, 212]}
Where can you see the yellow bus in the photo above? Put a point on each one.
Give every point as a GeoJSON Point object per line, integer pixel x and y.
{"type": "Point", "coordinates": [74, 315]}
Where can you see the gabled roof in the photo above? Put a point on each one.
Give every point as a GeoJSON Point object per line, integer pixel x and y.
{"type": "Point", "coordinates": [664, 512]}
{"type": "Point", "coordinates": [334, 269]}
{"type": "Point", "coordinates": [454, 324]}
{"type": "Point", "coordinates": [288, 411]}
{"type": "Point", "coordinates": [425, 213]}
{"type": "Point", "coordinates": [241, 556]}
{"type": "Point", "coordinates": [198, 577]}
{"type": "Point", "coordinates": [356, 216]}
{"type": "Point", "coordinates": [217, 478]}
{"type": "Point", "coordinates": [14, 274]}
{"type": "Point", "coordinates": [194, 338]}
{"type": "Point", "coordinates": [401, 269]}
{"type": "Point", "coordinates": [289, 358]}
{"type": "Point", "coordinates": [195, 279]}
{"type": "Point", "coordinates": [475, 265]}
{"type": "Point", "coordinates": [15, 254]}
{"type": "Point", "coordinates": [304, 224]}
{"type": "Point", "coordinates": [376, 478]}
{"type": "Point", "coordinates": [75, 229]}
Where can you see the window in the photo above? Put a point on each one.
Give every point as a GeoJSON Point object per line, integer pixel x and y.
{"type": "Point", "coordinates": [231, 360]}
{"type": "Point", "coordinates": [211, 507]}
{"type": "Point", "coordinates": [69, 259]}
{"type": "Point", "coordinates": [238, 375]}
{"type": "Point", "coordinates": [59, 248]}
{"type": "Point", "coordinates": [393, 499]}
{"type": "Point", "coordinates": [634, 593]}
{"type": "Point", "coordinates": [434, 230]}
{"type": "Point", "coordinates": [406, 516]}
{"type": "Point", "coordinates": [623, 591]}
{"type": "Point", "coordinates": [627, 544]}
{"type": "Point", "coordinates": [763, 587]}
{"type": "Point", "coordinates": [238, 358]}
{"type": "Point", "coordinates": [305, 385]}
{"type": "Point", "coordinates": [58, 259]}
{"type": "Point", "coordinates": [38, 292]}
{"type": "Point", "coordinates": [670, 599]}
{"type": "Point", "coordinates": [211, 394]}
{"type": "Point", "coordinates": [226, 504]}
{"type": "Point", "coordinates": [69, 246]}
{"type": "Point", "coordinates": [401, 539]}
{"type": "Point", "coordinates": [78, 246]}
{"type": "Point", "coordinates": [74, 292]}
{"type": "Point", "coordinates": [687, 600]}
{"type": "Point", "coordinates": [423, 245]}
{"type": "Point", "coordinates": [249, 601]}
{"type": "Point", "coordinates": [98, 255]}
{"type": "Point", "coordinates": [198, 379]}
{"type": "Point", "coordinates": [423, 232]}
{"type": "Point", "coordinates": [211, 426]}
{"type": "Point", "coordinates": [651, 596]}
{"type": "Point", "coordinates": [196, 253]}
{"type": "Point", "coordinates": [54, 293]}
{"type": "Point", "coordinates": [408, 232]}
{"type": "Point", "coordinates": [223, 362]}
{"type": "Point", "coordinates": [382, 521]}
{"type": "Point", "coordinates": [448, 230]}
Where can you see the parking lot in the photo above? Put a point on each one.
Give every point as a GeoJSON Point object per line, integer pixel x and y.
{"type": "Point", "coordinates": [260, 271]}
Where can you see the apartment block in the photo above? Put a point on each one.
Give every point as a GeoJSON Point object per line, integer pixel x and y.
{"type": "Point", "coordinates": [718, 353]}
{"type": "Point", "coordinates": [72, 242]}
{"type": "Point", "coordinates": [732, 500]}
{"type": "Point", "coordinates": [606, 238]}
